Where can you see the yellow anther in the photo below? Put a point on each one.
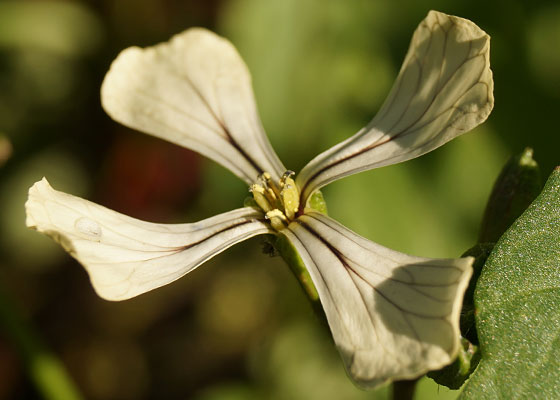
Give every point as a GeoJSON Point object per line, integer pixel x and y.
{"type": "Point", "coordinates": [255, 187]}
{"type": "Point", "coordinates": [271, 187]}
{"type": "Point", "coordinates": [259, 194]}
{"type": "Point", "coordinates": [278, 199]}
{"type": "Point", "coordinates": [290, 198]}
{"type": "Point", "coordinates": [276, 213]}
{"type": "Point", "coordinates": [277, 219]}
{"type": "Point", "coordinates": [271, 195]}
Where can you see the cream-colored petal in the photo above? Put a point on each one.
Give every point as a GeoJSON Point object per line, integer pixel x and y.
{"type": "Point", "coordinates": [194, 90]}
{"type": "Point", "coordinates": [392, 316]}
{"type": "Point", "coordinates": [125, 257]}
{"type": "Point", "coordinates": [443, 90]}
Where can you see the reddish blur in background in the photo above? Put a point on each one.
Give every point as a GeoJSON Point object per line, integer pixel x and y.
{"type": "Point", "coordinates": [238, 327]}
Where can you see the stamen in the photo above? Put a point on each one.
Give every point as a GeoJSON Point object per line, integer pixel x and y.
{"type": "Point", "coordinates": [290, 194]}
{"type": "Point", "coordinates": [255, 187]}
{"type": "Point", "coordinates": [276, 213]}
{"type": "Point", "coordinates": [288, 174]}
{"type": "Point", "coordinates": [260, 197]}
{"type": "Point", "coordinates": [277, 219]}
{"type": "Point", "coordinates": [279, 200]}
{"type": "Point", "coordinates": [270, 185]}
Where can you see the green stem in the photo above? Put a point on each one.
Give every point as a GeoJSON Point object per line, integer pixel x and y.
{"type": "Point", "coordinates": [404, 390]}
{"type": "Point", "coordinates": [45, 370]}
{"type": "Point", "coordinates": [294, 261]}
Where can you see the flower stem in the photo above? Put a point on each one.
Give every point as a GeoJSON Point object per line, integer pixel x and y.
{"type": "Point", "coordinates": [404, 390]}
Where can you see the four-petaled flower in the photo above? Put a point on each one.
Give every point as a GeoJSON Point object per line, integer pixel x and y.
{"type": "Point", "coordinates": [392, 316]}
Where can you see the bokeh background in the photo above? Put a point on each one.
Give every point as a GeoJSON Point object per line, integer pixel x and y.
{"type": "Point", "coordinates": [239, 327]}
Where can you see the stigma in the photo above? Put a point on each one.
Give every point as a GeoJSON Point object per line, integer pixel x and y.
{"type": "Point", "coordinates": [278, 200]}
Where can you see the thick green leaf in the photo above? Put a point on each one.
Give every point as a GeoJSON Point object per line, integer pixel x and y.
{"type": "Point", "coordinates": [517, 302]}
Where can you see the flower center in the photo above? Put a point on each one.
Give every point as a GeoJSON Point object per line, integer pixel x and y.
{"type": "Point", "coordinates": [278, 200]}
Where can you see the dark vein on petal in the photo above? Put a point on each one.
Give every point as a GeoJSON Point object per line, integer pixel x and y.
{"type": "Point", "coordinates": [342, 259]}
{"type": "Point", "coordinates": [409, 285]}
{"type": "Point", "coordinates": [372, 322]}
{"type": "Point", "coordinates": [419, 80]}
{"type": "Point", "coordinates": [402, 132]}
{"type": "Point", "coordinates": [227, 138]}
{"type": "Point", "coordinates": [173, 252]}
{"type": "Point", "coordinates": [325, 284]}
{"type": "Point", "coordinates": [178, 110]}
{"type": "Point", "coordinates": [413, 286]}
{"type": "Point", "coordinates": [106, 227]}
{"type": "Point", "coordinates": [170, 250]}
{"type": "Point", "coordinates": [349, 270]}
{"type": "Point", "coordinates": [325, 222]}
{"type": "Point", "coordinates": [192, 266]}
{"type": "Point", "coordinates": [220, 122]}
{"type": "Point", "coordinates": [213, 251]}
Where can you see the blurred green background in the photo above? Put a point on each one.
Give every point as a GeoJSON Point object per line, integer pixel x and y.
{"type": "Point", "coordinates": [239, 327]}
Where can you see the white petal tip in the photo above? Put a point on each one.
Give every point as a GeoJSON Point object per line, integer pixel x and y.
{"type": "Point", "coordinates": [34, 209]}
{"type": "Point", "coordinates": [195, 91]}
{"type": "Point", "coordinates": [126, 257]}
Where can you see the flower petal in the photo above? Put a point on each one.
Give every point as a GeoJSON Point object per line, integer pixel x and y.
{"type": "Point", "coordinates": [443, 90]}
{"type": "Point", "coordinates": [194, 90]}
{"type": "Point", "coordinates": [392, 316]}
{"type": "Point", "coordinates": [125, 257]}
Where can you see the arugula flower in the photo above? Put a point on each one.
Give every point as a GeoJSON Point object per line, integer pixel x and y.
{"type": "Point", "coordinates": [392, 316]}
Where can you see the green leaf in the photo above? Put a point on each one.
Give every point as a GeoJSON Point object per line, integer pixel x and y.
{"type": "Point", "coordinates": [517, 302]}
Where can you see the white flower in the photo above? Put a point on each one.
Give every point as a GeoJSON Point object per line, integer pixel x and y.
{"type": "Point", "coordinates": [392, 316]}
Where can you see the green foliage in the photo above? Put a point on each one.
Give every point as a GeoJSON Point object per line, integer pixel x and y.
{"type": "Point", "coordinates": [454, 375]}
{"type": "Point", "coordinates": [517, 302]}
{"type": "Point", "coordinates": [287, 251]}
{"type": "Point", "coordinates": [280, 245]}
{"type": "Point", "coordinates": [292, 258]}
